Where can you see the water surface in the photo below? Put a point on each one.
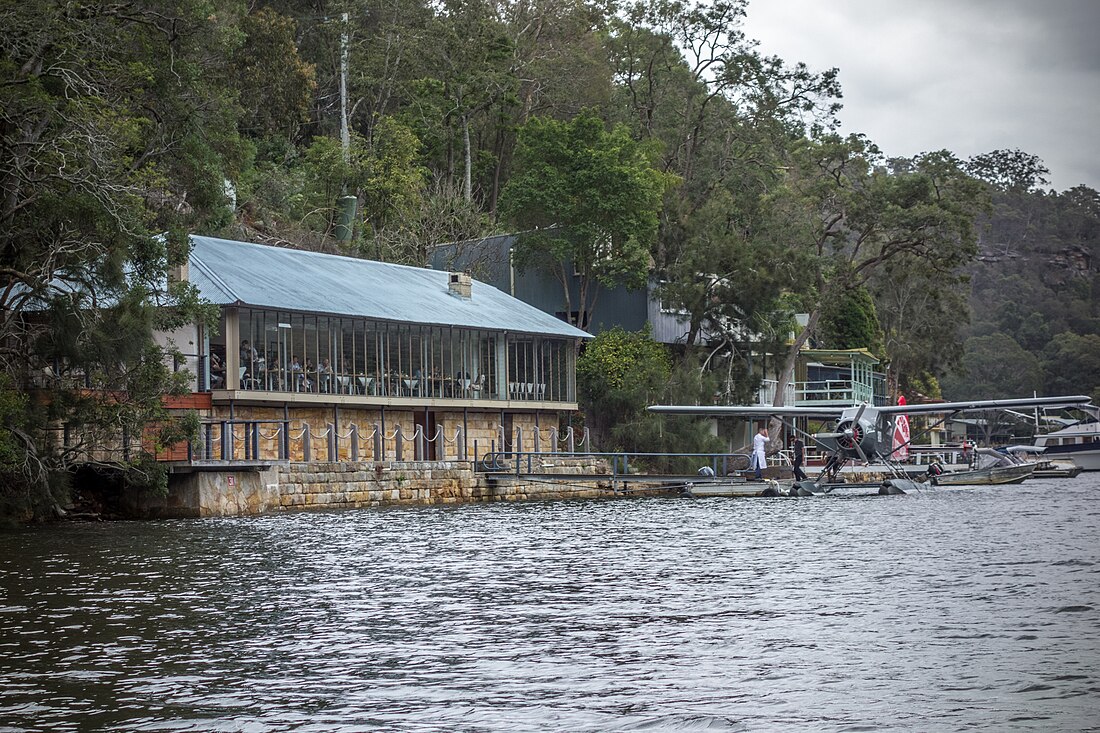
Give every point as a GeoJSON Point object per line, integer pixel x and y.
{"type": "Point", "coordinates": [945, 610]}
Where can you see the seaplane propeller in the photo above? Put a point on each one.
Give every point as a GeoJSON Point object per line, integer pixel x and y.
{"type": "Point", "coordinates": [854, 437]}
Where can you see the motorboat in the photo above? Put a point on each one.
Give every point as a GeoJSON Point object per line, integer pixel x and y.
{"type": "Point", "coordinates": [1079, 443]}
{"type": "Point", "coordinates": [1044, 467]}
{"type": "Point", "coordinates": [990, 467]}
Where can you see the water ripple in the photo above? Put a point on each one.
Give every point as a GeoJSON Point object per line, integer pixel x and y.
{"type": "Point", "coordinates": [935, 611]}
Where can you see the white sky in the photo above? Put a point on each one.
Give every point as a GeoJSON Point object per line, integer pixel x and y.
{"type": "Point", "coordinates": [970, 76]}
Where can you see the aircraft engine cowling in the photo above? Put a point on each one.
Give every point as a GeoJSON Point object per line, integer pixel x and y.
{"type": "Point", "coordinates": [852, 439]}
{"type": "Point", "coordinates": [861, 433]}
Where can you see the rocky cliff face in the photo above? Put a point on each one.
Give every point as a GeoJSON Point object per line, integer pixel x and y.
{"type": "Point", "coordinates": [1054, 269]}
{"type": "Point", "coordinates": [1037, 273]}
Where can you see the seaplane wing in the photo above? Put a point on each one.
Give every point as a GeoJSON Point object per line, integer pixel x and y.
{"type": "Point", "coordinates": [911, 409]}
{"type": "Point", "coordinates": [747, 411]}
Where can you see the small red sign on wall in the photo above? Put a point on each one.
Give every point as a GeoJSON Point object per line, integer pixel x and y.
{"type": "Point", "coordinates": [230, 480]}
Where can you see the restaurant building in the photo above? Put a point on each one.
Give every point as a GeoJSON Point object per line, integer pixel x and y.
{"type": "Point", "coordinates": [341, 346]}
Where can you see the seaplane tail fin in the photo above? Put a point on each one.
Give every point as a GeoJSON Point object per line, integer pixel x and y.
{"type": "Point", "coordinates": [900, 441]}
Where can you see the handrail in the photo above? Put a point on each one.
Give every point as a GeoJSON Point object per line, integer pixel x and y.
{"type": "Point", "coordinates": [719, 462]}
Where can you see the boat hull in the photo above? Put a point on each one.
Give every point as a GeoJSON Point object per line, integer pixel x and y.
{"type": "Point", "coordinates": [986, 476]}
{"type": "Point", "coordinates": [1057, 472]}
{"type": "Point", "coordinates": [1079, 443]}
{"type": "Point", "coordinates": [1084, 455]}
{"type": "Point", "coordinates": [1056, 469]}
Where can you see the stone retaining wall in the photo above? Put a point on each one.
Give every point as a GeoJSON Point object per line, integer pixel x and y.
{"type": "Point", "coordinates": [353, 485]}
{"type": "Point", "coordinates": [350, 485]}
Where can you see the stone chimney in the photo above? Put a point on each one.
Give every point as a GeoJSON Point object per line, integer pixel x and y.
{"type": "Point", "coordinates": [458, 283]}
{"type": "Point", "coordinates": [179, 273]}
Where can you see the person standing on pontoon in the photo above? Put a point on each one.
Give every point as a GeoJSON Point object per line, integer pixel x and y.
{"type": "Point", "coordinates": [759, 460]}
{"type": "Point", "coordinates": [798, 447]}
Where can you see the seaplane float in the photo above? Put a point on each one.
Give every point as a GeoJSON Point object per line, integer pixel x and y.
{"type": "Point", "coordinates": [866, 433]}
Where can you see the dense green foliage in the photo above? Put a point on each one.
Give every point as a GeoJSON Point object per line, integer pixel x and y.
{"type": "Point", "coordinates": [849, 321]}
{"type": "Point", "coordinates": [848, 218]}
{"type": "Point", "coordinates": [1036, 283]}
{"type": "Point", "coordinates": [995, 366]}
{"type": "Point", "coordinates": [619, 374]}
{"type": "Point", "coordinates": [635, 142]}
{"type": "Point", "coordinates": [921, 313]}
{"type": "Point", "coordinates": [117, 124]}
{"type": "Point", "coordinates": [587, 201]}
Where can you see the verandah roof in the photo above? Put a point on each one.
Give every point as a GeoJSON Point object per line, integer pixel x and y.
{"type": "Point", "coordinates": [227, 272]}
{"type": "Point", "coordinates": [838, 357]}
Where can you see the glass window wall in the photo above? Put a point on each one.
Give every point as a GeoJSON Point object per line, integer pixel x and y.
{"type": "Point", "coordinates": [292, 352]}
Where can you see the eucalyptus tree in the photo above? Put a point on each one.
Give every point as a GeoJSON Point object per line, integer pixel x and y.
{"type": "Point", "coordinates": [850, 320]}
{"type": "Point", "coordinates": [689, 76]}
{"type": "Point", "coordinates": [274, 84]}
{"type": "Point", "coordinates": [559, 67]}
{"type": "Point", "coordinates": [493, 64]}
{"type": "Point", "coordinates": [559, 56]}
{"type": "Point", "coordinates": [677, 60]}
{"type": "Point", "coordinates": [1009, 170]}
{"type": "Point", "coordinates": [848, 218]}
{"type": "Point", "coordinates": [472, 59]}
{"type": "Point", "coordinates": [923, 314]}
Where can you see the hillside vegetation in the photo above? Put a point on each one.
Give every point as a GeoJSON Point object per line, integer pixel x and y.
{"type": "Point", "coordinates": [1034, 285]}
{"type": "Point", "coordinates": [639, 140]}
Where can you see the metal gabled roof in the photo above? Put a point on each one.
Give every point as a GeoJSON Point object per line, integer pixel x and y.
{"type": "Point", "coordinates": [227, 272]}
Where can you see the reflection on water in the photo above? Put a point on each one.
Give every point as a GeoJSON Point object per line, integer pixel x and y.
{"type": "Point", "coordinates": [937, 611]}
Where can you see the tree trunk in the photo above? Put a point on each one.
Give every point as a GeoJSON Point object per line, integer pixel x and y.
{"type": "Point", "coordinates": [590, 306]}
{"type": "Point", "coordinates": [787, 375]}
{"type": "Point", "coordinates": [496, 173]}
{"type": "Point", "coordinates": [565, 293]}
{"type": "Point", "coordinates": [789, 365]}
{"type": "Point", "coordinates": [695, 325]}
{"type": "Point", "coordinates": [582, 302]}
{"type": "Point", "coordinates": [467, 179]}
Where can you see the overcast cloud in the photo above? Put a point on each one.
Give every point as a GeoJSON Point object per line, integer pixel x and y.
{"type": "Point", "coordinates": [967, 75]}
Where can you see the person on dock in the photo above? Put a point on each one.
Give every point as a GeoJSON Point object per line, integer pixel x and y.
{"type": "Point", "coordinates": [759, 460]}
{"type": "Point", "coordinates": [798, 448]}
{"type": "Point", "coordinates": [968, 453]}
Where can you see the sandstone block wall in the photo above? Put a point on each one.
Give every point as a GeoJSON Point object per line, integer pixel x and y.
{"type": "Point", "coordinates": [350, 485]}
{"type": "Point", "coordinates": [353, 485]}
{"type": "Point", "coordinates": [525, 489]}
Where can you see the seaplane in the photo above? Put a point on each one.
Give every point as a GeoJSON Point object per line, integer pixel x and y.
{"type": "Point", "coordinates": [866, 432]}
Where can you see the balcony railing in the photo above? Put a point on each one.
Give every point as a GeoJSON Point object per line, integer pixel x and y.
{"type": "Point", "coordinates": [766, 394]}
{"type": "Point", "coordinates": [841, 393]}
{"type": "Point", "coordinates": [834, 392]}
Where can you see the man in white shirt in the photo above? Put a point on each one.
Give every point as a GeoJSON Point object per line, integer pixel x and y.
{"type": "Point", "coordinates": [759, 461]}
